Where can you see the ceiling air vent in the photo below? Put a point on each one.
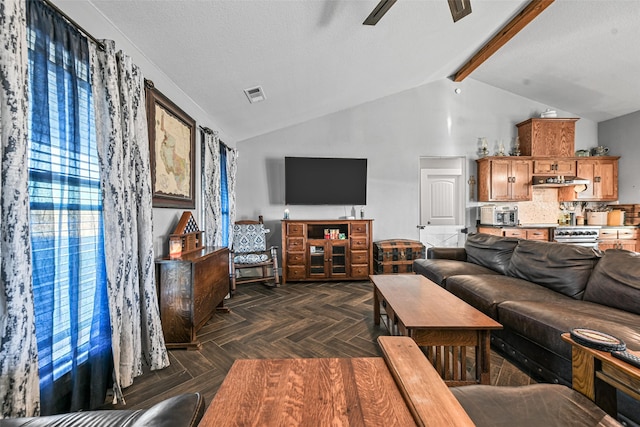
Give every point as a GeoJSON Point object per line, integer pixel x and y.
{"type": "Point", "coordinates": [255, 94]}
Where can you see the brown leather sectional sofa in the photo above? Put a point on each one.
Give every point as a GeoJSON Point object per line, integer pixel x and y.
{"type": "Point", "coordinates": [539, 290]}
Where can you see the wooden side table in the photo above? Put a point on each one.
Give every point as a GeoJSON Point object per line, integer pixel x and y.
{"type": "Point", "coordinates": [597, 375]}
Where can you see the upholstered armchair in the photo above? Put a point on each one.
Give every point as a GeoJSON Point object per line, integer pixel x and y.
{"type": "Point", "coordinates": [249, 251]}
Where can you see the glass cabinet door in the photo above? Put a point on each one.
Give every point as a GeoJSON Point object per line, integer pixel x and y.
{"type": "Point", "coordinates": [317, 259]}
{"type": "Point", "coordinates": [338, 259]}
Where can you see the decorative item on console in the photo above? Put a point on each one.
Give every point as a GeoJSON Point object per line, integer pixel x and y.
{"type": "Point", "coordinates": [600, 151]}
{"type": "Point", "coordinates": [483, 147]}
{"type": "Point", "coordinates": [500, 151]}
{"type": "Point", "coordinates": [516, 147]}
{"type": "Point", "coordinates": [186, 237]}
{"type": "Point", "coordinates": [548, 114]}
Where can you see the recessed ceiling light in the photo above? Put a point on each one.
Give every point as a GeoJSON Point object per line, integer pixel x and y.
{"type": "Point", "coordinates": [255, 94]}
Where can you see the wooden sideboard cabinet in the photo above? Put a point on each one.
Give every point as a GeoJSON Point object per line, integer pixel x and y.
{"type": "Point", "coordinates": [190, 289]}
{"type": "Point", "coordinates": [345, 252]}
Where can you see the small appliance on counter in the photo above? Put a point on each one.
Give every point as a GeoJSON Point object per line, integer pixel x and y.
{"type": "Point", "coordinates": [499, 215]}
{"type": "Point", "coordinates": [597, 218]}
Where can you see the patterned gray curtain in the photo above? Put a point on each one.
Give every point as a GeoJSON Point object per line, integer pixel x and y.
{"type": "Point", "coordinates": [232, 167]}
{"type": "Point", "coordinates": [211, 203]}
{"type": "Point", "coordinates": [123, 149]}
{"type": "Point", "coordinates": [19, 384]}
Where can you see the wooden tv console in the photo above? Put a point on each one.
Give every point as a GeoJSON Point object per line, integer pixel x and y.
{"type": "Point", "coordinates": [344, 252]}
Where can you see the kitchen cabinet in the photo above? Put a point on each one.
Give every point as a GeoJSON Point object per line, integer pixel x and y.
{"type": "Point", "coordinates": [528, 233]}
{"type": "Point", "coordinates": [602, 172]}
{"type": "Point", "coordinates": [549, 137]}
{"type": "Point", "coordinates": [554, 167]}
{"type": "Point", "coordinates": [327, 250]}
{"type": "Point", "coordinates": [618, 238]}
{"type": "Point", "coordinates": [504, 179]}
{"type": "Point", "coordinates": [519, 232]}
{"type": "Point", "coordinates": [494, 231]}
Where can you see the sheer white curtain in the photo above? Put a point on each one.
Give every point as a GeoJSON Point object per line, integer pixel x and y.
{"type": "Point", "coordinates": [123, 148]}
{"type": "Point", "coordinates": [211, 200]}
{"type": "Point", "coordinates": [19, 385]}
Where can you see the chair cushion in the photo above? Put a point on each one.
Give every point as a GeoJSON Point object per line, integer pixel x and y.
{"type": "Point", "coordinates": [489, 251]}
{"type": "Point", "coordinates": [560, 267]}
{"type": "Point", "coordinates": [532, 405]}
{"type": "Point", "coordinates": [249, 238]}
{"type": "Point", "coordinates": [615, 281]}
{"type": "Point", "coordinates": [250, 258]}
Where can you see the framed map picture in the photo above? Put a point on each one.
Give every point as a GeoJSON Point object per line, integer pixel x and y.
{"type": "Point", "coordinates": [172, 143]}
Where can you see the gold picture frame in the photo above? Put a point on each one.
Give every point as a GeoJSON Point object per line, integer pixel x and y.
{"type": "Point", "coordinates": [172, 144]}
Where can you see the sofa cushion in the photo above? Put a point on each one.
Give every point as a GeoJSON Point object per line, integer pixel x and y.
{"type": "Point", "coordinates": [489, 251]}
{"type": "Point", "coordinates": [438, 270]}
{"type": "Point", "coordinates": [561, 267]}
{"type": "Point", "coordinates": [531, 405]}
{"type": "Point", "coordinates": [485, 292]}
{"type": "Point", "coordinates": [615, 281]}
{"type": "Point", "coordinates": [545, 321]}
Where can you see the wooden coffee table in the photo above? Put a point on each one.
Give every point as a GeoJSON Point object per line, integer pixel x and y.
{"type": "Point", "coordinates": [437, 320]}
{"type": "Point", "coordinates": [402, 389]}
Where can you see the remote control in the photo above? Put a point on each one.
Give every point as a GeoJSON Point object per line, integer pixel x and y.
{"type": "Point", "coordinates": [631, 359]}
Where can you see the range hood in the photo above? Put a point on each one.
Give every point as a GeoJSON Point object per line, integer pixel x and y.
{"type": "Point", "coordinates": [555, 182]}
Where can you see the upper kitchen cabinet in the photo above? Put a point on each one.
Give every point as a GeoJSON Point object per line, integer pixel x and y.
{"type": "Point", "coordinates": [502, 179]}
{"type": "Point", "coordinates": [547, 137]}
{"type": "Point", "coordinates": [602, 173]}
{"type": "Point", "coordinates": [553, 167]}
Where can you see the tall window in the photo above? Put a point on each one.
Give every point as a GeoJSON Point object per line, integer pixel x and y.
{"type": "Point", "coordinates": [72, 320]}
{"type": "Point", "coordinates": [224, 195]}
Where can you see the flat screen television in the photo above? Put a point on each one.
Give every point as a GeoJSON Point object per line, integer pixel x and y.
{"type": "Point", "coordinates": [325, 181]}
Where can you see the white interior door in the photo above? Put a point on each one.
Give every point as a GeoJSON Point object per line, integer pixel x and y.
{"type": "Point", "coordinates": [442, 198]}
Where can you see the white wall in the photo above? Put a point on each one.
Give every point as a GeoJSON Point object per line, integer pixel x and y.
{"type": "Point", "coordinates": [86, 15]}
{"type": "Point", "coordinates": [393, 133]}
{"type": "Point", "coordinates": [622, 136]}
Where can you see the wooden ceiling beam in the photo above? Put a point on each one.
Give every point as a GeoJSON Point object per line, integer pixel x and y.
{"type": "Point", "coordinates": [513, 27]}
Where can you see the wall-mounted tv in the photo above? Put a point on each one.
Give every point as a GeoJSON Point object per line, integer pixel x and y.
{"type": "Point", "coordinates": [325, 181]}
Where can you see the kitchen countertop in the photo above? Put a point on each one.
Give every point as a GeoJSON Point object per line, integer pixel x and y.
{"type": "Point", "coordinates": [554, 226]}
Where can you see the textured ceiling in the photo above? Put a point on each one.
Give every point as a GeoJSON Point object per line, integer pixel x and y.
{"type": "Point", "coordinates": [314, 57]}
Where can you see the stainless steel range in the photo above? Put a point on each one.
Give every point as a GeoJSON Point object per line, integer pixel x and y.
{"type": "Point", "coordinates": [582, 235]}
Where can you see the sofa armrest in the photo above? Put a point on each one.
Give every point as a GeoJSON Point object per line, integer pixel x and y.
{"type": "Point", "coordinates": [184, 410]}
{"type": "Point", "coordinates": [457, 254]}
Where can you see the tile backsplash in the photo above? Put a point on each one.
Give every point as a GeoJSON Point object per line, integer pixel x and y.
{"type": "Point", "coordinates": [542, 209]}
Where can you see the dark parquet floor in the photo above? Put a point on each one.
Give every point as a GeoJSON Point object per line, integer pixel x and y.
{"type": "Point", "coordinates": [332, 319]}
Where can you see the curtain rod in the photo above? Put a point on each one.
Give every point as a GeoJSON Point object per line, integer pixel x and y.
{"type": "Point", "coordinates": [215, 132]}
{"type": "Point", "coordinates": [75, 24]}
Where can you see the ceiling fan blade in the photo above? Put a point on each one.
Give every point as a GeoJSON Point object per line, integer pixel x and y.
{"type": "Point", "coordinates": [459, 9]}
{"type": "Point", "coordinates": [379, 12]}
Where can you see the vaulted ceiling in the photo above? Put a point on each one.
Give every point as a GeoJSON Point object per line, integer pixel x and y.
{"type": "Point", "coordinates": [314, 57]}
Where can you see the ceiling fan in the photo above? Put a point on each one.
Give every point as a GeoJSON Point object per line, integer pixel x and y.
{"type": "Point", "coordinates": [459, 9]}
